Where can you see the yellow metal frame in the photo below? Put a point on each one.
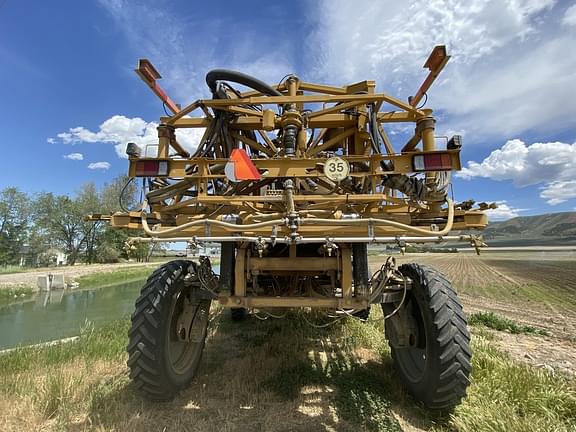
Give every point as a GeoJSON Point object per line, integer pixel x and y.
{"type": "Point", "coordinates": [342, 126]}
{"type": "Point", "coordinates": [295, 201]}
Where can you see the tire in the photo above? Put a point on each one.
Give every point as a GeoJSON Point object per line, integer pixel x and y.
{"type": "Point", "coordinates": [436, 365]}
{"type": "Point", "coordinates": [160, 363]}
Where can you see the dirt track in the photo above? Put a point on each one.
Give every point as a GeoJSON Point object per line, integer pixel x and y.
{"type": "Point", "coordinates": [30, 278]}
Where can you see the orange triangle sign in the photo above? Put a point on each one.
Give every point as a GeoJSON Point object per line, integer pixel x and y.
{"type": "Point", "coordinates": [244, 169]}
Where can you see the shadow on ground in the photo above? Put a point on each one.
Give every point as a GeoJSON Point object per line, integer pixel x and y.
{"type": "Point", "coordinates": [273, 375]}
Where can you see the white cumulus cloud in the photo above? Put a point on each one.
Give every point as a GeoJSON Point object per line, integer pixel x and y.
{"type": "Point", "coordinates": [99, 166]}
{"type": "Point", "coordinates": [508, 72]}
{"type": "Point", "coordinates": [393, 37]}
{"type": "Point", "coordinates": [120, 130]}
{"type": "Point", "coordinates": [558, 192]}
{"type": "Point", "coordinates": [509, 69]}
{"type": "Point", "coordinates": [569, 18]}
{"type": "Point", "coordinates": [74, 156]}
{"type": "Point", "coordinates": [551, 164]}
{"type": "Point", "coordinates": [503, 212]}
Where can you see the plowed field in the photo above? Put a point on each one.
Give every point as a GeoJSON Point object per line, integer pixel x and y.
{"type": "Point", "coordinates": [532, 287]}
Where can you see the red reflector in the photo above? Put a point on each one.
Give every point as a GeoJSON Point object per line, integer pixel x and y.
{"type": "Point", "coordinates": [152, 168]}
{"type": "Point", "coordinates": [433, 162]}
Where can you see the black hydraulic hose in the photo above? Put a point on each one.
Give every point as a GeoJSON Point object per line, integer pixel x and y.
{"type": "Point", "coordinates": [216, 75]}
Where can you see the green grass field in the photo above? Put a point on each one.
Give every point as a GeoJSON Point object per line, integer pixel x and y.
{"type": "Point", "coordinates": [12, 269]}
{"type": "Point", "coordinates": [497, 322]}
{"type": "Point", "coordinates": [14, 293]}
{"type": "Point", "coordinates": [97, 280]}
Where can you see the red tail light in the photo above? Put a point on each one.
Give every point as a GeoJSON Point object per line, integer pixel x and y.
{"type": "Point", "coordinates": [432, 162]}
{"type": "Point", "coordinates": [151, 168]}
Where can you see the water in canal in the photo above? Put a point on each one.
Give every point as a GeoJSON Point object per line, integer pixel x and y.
{"type": "Point", "coordinates": [59, 314]}
{"type": "Point", "coordinates": [62, 313]}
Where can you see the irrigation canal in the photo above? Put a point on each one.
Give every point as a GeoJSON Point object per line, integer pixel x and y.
{"type": "Point", "coordinates": [63, 313]}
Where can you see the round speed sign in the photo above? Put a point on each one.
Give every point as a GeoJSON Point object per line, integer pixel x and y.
{"type": "Point", "coordinates": [336, 169]}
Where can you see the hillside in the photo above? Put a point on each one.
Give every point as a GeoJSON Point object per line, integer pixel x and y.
{"type": "Point", "coordinates": [558, 228]}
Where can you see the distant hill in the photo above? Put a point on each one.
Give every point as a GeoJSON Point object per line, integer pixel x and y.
{"type": "Point", "coordinates": [552, 228]}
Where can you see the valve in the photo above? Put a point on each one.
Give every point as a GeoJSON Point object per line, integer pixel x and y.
{"type": "Point", "coordinates": [402, 245]}
{"type": "Point", "coordinates": [260, 246]}
{"type": "Point", "coordinates": [193, 244]}
{"type": "Point", "coordinates": [292, 214]}
{"type": "Point", "coordinates": [329, 246]}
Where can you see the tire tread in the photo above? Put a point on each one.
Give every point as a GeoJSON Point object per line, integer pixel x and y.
{"type": "Point", "coordinates": [146, 331]}
{"type": "Point", "coordinates": [452, 338]}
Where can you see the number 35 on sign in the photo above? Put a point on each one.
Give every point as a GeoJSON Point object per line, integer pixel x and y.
{"type": "Point", "coordinates": [336, 169]}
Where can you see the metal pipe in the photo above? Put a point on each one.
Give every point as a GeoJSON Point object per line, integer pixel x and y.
{"type": "Point", "coordinates": [266, 216]}
{"type": "Point", "coordinates": [289, 194]}
{"type": "Point", "coordinates": [309, 221]}
{"type": "Point", "coordinates": [208, 222]}
{"type": "Point", "coordinates": [368, 221]}
{"type": "Point", "coordinates": [262, 216]}
{"type": "Point", "coordinates": [305, 240]}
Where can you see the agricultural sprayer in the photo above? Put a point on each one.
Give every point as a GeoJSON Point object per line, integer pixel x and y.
{"type": "Point", "coordinates": [295, 181]}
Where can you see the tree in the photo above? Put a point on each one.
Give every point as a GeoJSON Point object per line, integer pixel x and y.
{"type": "Point", "coordinates": [62, 221]}
{"type": "Point", "coordinates": [14, 216]}
{"type": "Point", "coordinates": [119, 195]}
{"type": "Point", "coordinates": [89, 201]}
{"type": "Point", "coordinates": [59, 221]}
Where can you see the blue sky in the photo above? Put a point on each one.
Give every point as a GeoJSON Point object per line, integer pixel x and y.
{"type": "Point", "coordinates": [71, 101]}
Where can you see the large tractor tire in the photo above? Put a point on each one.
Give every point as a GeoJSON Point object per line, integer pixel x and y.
{"type": "Point", "coordinates": [168, 331]}
{"type": "Point", "coordinates": [429, 339]}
